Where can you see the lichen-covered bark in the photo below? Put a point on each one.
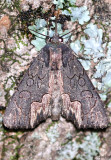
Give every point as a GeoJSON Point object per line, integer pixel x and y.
{"type": "Point", "coordinates": [50, 140]}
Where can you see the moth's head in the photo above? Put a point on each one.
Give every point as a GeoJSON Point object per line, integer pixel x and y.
{"type": "Point", "coordinates": [56, 39]}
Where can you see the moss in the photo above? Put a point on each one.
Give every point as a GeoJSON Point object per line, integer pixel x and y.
{"type": "Point", "coordinates": [79, 140]}
{"type": "Point", "coordinates": [16, 155]}
{"type": "Point", "coordinates": [68, 141]}
{"type": "Point", "coordinates": [50, 125]}
{"type": "Point", "coordinates": [14, 139]}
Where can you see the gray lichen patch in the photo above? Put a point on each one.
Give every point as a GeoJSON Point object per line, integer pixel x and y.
{"type": "Point", "coordinates": [81, 150]}
{"type": "Point", "coordinates": [106, 146]}
{"type": "Point", "coordinates": [45, 141]}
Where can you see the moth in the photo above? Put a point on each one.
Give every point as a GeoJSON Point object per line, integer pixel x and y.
{"type": "Point", "coordinates": [55, 85]}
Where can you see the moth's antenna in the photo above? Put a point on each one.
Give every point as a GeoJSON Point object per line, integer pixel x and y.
{"type": "Point", "coordinates": [74, 30]}
{"type": "Point", "coordinates": [39, 33]}
{"type": "Point", "coordinates": [66, 33]}
{"type": "Point", "coordinates": [48, 28]}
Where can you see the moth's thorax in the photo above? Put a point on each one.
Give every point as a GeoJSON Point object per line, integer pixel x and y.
{"type": "Point", "coordinates": [55, 58]}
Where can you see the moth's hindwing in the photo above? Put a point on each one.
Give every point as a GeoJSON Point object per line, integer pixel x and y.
{"type": "Point", "coordinates": [81, 103]}
{"type": "Point", "coordinates": [30, 103]}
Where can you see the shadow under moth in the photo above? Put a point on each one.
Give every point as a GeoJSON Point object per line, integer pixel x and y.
{"type": "Point", "coordinates": [55, 84]}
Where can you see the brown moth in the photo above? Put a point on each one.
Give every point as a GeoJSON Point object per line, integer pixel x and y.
{"type": "Point", "coordinates": [55, 85]}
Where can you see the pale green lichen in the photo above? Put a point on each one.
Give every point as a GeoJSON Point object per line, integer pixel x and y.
{"type": "Point", "coordinates": [38, 43]}
{"type": "Point", "coordinates": [40, 23]}
{"type": "Point", "coordinates": [88, 149]}
{"type": "Point", "coordinates": [85, 63]}
{"type": "Point", "coordinates": [52, 133]}
{"type": "Point", "coordinates": [80, 14]}
{"type": "Point", "coordinates": [94, 49]}
{"type": "Point", "coordinates": [107, 68]}
{"type": "Point", "coordinates": [8, 1]}
{"type": "Point", "coordinates": [40, 26]}
{"type": "Point", "coordinates": [62, 3]}
{"type": "Point", "coordinates": [103, 70]}
{"type": "Point", "coordinates": [93, 45]}
{"type": "Point", "coordinates": [59, 3]}
{"type": "Point", "coordinates": [76, 46]}
{"type": "Point", "coordinates": [36, 135]}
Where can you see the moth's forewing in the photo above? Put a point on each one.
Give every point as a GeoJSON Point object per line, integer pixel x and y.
{"type": "Point", "coordinates": [29, 104]}
{"type": "Point", "coordinates": [81, 102]}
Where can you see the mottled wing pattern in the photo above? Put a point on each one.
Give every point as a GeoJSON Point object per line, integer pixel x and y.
{"type": "Point", "coordinates": [55, 72]}
{"type": "Point", "coordinates": [30, 103]}
{"type": "Point", "coordinates": [81, 103]}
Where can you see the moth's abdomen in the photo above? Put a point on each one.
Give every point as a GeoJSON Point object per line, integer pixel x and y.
{"type": "Point", "coordinates": [55, 92]}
